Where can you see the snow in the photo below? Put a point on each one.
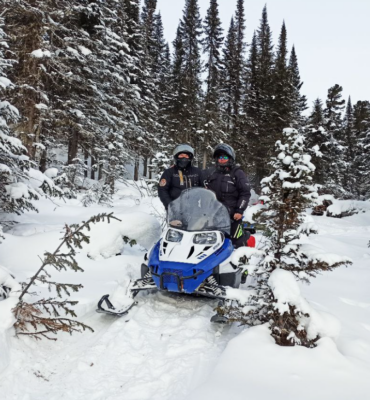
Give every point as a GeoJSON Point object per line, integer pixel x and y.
{"type": "Point", "coordinates": [252, 366]}
{"type": "Point", "coordinates": [287, 160]}
{"type": "Point", "coordinates": [106, 239]}
{"type": "Point", "coordinates": [5, 82]}
{"type": "Point", "coordinates": [51, 173]}
{"type": "Point", "coordinates": [85, 51]}
{"type": "Point", "coordinates": [41, 106]}
{"type": "Point", "coordinates": [166, 347]}
{"type": "Point", "coordinates": [17, 190]}
{"type": "Point", "coordinates": [39, 53]}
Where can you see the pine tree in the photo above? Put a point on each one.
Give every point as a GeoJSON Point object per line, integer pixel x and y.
{"type": "Point", "coordinates": [287, 194]}
{"type": "Point", "coordinates": [177, 116]}
{"type": "Point", "coordinates": [15, 194]}
{"type": "Point", "coordinates": [251, 110]}
{"type": "Point", "coordinates": [239, 65]}
{"type": "Point", "coordinates": [349, 151]}
{"type": "Point", "coordinates": [299, 101]}
{"type": "Point", "coordinates": [228, 77]}
{"type": "Point", "coordinates": [233, 77]}
{"type": "Point", "coordinates": [361, 163]}
{"type": "Point", "coordinates": [282, 105]}
{"type": "Point", "coordinates": [186, 76]}
{"type": "Point", "coordinates": [334, 127]}
{"type": "Point", "coordinates": [265, 132]}
{"type": "Point", "coordinates": [317, 140]}
{"type": "Point", "coordinates": [212, 43]}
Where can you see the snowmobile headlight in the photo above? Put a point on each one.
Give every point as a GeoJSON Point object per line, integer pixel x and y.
{"type": "Point", "coordinates": [174, 236]}
{"type": "Point", "coordinates": [205, 238]}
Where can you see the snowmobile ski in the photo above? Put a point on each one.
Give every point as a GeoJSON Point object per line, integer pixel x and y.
{"type": "Point", "coordinates": [110, 309]}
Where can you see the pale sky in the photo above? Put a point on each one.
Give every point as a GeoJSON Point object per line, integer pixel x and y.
{"type": "Point", "coordinates": [332, 38]}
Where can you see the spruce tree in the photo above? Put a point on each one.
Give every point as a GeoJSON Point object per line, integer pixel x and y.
{"type": "Point", "coordinates": [212, 43]}
{"type": "Point", "coordinates": [177, 98]}
{"type": "Point", "coordinates": [299, 101]}
{"type": "Point", "coordinates": [282, 84]}
{"type": "Point", "coordinates": [361, 164]}
{"type": "Point", "coordinates": [265, 132]}
{"type": "Point", "coordinates": [287, 193]}
{"type": "Point", "coordinates": [334, 127]}
{"type": "Point", "coordinates": [239, 65]}
{"type": "Point", "coordinates": [349, 151]}
{"type": "Point", "coordinates": [15, 194]}
{"type": "Point", "coordinates": [317, 140]}
{"type": "Point", "coordinates": [228, 77]}
{"type": "Point", "coordinates": [191, 31]}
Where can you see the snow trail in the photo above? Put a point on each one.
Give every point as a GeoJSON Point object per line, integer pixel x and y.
{"type": "Point", "coordinates": [164, 349]}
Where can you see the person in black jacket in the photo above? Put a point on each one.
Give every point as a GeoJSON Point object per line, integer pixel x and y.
{"type": "Point", "coordinates": [231, 187]}
{"type": "Point", "coordinates": [180, 176]}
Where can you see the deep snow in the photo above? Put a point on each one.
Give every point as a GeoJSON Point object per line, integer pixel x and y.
{"type": "Point", "coordinates": [166, 347]}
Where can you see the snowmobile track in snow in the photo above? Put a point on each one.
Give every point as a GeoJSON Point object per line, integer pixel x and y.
{"type": "Point", "coordinates": [164, 349]}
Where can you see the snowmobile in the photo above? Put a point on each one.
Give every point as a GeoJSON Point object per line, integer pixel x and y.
{"type": "Point", "coordinates": [193, 255]}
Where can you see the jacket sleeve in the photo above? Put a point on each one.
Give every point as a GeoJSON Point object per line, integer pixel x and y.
{"type": "Point", "coordinates": [164, 188]}
{"type": "Point", "coordinates": [244, 190]}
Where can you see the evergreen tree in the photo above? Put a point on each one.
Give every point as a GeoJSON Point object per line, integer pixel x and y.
{"type": "Point", "coordinates": [191, 30]}
{"type": "Point", "coordinates": [287, 193]}
{"type": "Point", "coordinates": [251, 111]}
{"type": "Point", "coordinates": [185, 79]}
{"type": "Point", "coordinates": [239, 65]}
{"type": "Point", "coordinates": [317, 140]}
{"type": "Point", "coordinates": [349, 151]}
{"type": "Point", "coordinates": [361, 163]}
{"type": "Point", "coordinates": [177, 97]}
{"type": "Point", "coordinates": [228, 76]}
{"type": "Point", "coordinates": [334, 127]}
{"type": "Point", "coordinates": [299, 101]}
{"type": "Point", "coordinates": [212, 43]}
{"type": "Point", "coordinates": [265, 131]}
{"type": "Point", "coordinates": [15, 194]}
{"type": "Point", "coordinates": [282, 85]}
{"type": "Point", "coordinates": [233, 77]}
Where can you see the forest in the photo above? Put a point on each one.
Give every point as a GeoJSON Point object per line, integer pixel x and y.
{"type": "Point", "coordinates": [89, 87]}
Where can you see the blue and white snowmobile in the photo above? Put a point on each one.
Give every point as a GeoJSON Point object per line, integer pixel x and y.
{"type": "Point", "coordinates": [193, 255]}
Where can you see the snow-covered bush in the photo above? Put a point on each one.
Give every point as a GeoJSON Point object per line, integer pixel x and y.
{"type": "Point", "coordinates": [276, 299]}
{"type": "Point", "coordinates": [99, 193]}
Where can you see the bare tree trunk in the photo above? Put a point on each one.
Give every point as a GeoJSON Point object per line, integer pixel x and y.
{"type": "Point", "coordinates": [72, 146]}
{"type": "Point", "coordinates": [43, 160]}
{"type": "Point", "coordinates": [145, 171]}
{"type": "Point", "coordinates": [86, 163]}
{"type": "Point", "coordinates": [136, 169]}
{"type": "Point", "coordinates": [150, 170]}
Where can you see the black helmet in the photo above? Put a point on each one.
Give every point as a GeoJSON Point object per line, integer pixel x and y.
{"type": "Point", "coordinates": [183, 163]}
{"type": "Point", "coordinates": [224, 149]}
{"type": "Point", "coordinates": [227, 150]}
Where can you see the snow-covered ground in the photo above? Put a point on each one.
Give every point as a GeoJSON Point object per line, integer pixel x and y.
{"type": "Point", "coordinates": [166, 348]}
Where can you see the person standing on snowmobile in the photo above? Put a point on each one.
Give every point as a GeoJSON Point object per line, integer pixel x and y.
{"type": "Point", "coordinates": [231, 186]}
{"type": "Point", "coordinates": [180, 176]}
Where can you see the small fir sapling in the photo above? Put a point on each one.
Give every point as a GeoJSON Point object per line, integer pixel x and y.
{"type": "Point", "coordinates": [276, 298]}
{"type": "Point", "coordinates": [99, 193]}
{"type": "Point", "coordinates": [43, 318]}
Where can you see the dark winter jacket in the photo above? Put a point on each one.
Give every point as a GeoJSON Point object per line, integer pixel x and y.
{"type": "Point", "coordinates": [232, 188]}
{"type": "Point", "coordinates": [170, 186]}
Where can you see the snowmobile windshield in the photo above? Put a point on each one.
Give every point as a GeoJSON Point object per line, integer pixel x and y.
{"type": "Point", "coordinates": [198, 210]}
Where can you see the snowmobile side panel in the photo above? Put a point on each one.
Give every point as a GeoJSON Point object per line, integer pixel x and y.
{"type": "Point", "coordinates": [232, 279]}
{"type": "Point", "coordinates": [185, 277]}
